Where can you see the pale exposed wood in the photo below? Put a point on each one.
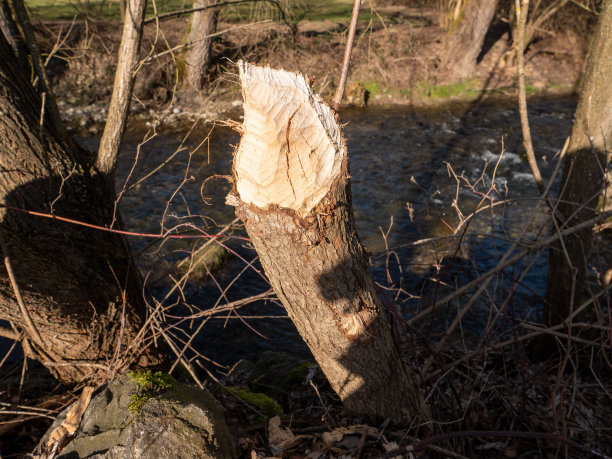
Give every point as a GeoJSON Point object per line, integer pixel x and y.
{"type": "Point", "coordinates": [62, 433]}
{"type": "Point", "coordinates": [292, 148]}
{"type": "Point", "coordinates": [127, 63]}
{"type": "Point", "coordinates": [293, 194]}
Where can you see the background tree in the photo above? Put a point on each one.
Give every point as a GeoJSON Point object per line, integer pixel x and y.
{"type": "Point", "coordinates": [466, 36]}
{"type": "Point", "coordinates": [71, 293]}
{"type": "Point", "coordinates": [199, 56]}
{"type": "Point", "coordinates": [583, 178]}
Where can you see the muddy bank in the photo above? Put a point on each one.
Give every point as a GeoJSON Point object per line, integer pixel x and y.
{"type": "Point", "coordinates": [396, 61]}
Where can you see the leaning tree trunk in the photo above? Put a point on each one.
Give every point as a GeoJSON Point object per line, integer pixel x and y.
{"type": "Point", "coordinates": [292, 190]}
{"type": "Point", "coordinates": [466, 37]}
{"type": "Point", "coordinates": [583, 177]}
{"type": "Point", "coordinates": [79, 285]}
{"type": "Point", "coordinates": [199, 56]}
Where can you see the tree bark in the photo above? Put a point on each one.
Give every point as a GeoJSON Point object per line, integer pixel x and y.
{"type": "Point", "coordinates": [127, 65]}
{"type": "Point", "coordinates": [292, 190]}
{"type": "Point", "coordinates": [79, 285]}
{"type": "Point", "coordinates": [583, 178]}
{"type": "Point", "coordinates": [199, 56]}
{"type": "Point", "coordinates": [466, 37]}
{"type": "Point", "coordinates": [10, 31]}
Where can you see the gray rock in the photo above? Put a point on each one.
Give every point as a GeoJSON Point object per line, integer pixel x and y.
{"type": "Point", "coordinates": [178, 422]}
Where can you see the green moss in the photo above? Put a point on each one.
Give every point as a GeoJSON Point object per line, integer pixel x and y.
{"type": "Point", "coordinates": [150, 385]}
{"type": "Point", "coordinates": [298, 374]}
{"type": "Point", "coordinates": [446, 91]}
{"type": "Point", "coordinates": [266, 404]}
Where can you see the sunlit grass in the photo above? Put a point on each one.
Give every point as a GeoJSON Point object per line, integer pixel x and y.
{"type": "Point", "coordinates": [295, 10]}
{"type": "Point", "coordinates": [106, 9]}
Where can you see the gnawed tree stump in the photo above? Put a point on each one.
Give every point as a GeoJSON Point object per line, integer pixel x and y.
{"type": "Point", "coordinates": [292, 190]}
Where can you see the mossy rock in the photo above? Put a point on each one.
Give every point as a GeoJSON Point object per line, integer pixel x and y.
{"type": "Point", "coordinates": [176, 421]}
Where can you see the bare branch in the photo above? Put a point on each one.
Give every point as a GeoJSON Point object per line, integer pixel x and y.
{"type": "Point", "coordinates": [522, 7]}
{"type": "Point", "coordinates": [127, 65]}
{"type": "Point", "coordinates": [9, 334]}
{"type": "Point", "coordinates": [347, 55]}
{"type": "Point", "coordinates": [32, 330]}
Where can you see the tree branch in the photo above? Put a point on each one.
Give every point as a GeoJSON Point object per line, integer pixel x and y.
{"type": "Point", "coordinates": [347, 55]}
{"type": "Point", "coordinates": [522, 7]}
{"type": "Point", "coordinates": [127, 66]}
{"type": "Point", "coordinates": [31, 328]}
{"type": "Point", "coordinates": [9, 334]}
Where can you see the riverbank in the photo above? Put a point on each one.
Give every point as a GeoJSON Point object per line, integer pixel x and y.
{"type": "Point", "coordinates": [396, 60]}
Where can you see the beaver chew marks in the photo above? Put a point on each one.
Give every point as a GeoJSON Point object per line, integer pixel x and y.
{"type": "Point", "coordinates": [291, 148]}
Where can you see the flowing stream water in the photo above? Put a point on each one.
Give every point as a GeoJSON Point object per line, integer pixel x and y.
{"type": "Point", "coordinates": [400, 163]}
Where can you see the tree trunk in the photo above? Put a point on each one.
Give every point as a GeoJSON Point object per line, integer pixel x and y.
{"type": "Point", "coordinates": [466, 37]}
{"type": "Point", "coordinates": [583, 177]}
{"type": "Point", "coordinates": [10, 31]}
{"type": "Point", "coordinates": [292, 190]}
{"type": "Point", "coordinates": [79, 285]}
{"type": "Point", "coordinates": [199, 56]}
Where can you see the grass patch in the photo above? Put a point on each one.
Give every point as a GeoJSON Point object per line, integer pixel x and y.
{"type": "Point", "coordinates": [99, 9]}
{"type": "Point", "coordinates": [447, 91]}
{"type": "Point", "coordinates": [372, 87]}
{"type": "Point", "coordinates": [295, 10]}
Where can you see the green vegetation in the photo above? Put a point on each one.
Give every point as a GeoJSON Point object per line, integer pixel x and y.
{"type": "Point", "coordinates": [295, 10]}
{"type": "Point", "coordinates": [298, 374]}
{"type": "Point", "coordinates": [372, 87]}
{"type": "Point", "coordinates": [103, 9]}
{"type": "Point", "coordinates": [150, 385]}
{"type": "Point", "coordinates": [265, 404]}
{"type": "Point", "coordinates": [446, 91]}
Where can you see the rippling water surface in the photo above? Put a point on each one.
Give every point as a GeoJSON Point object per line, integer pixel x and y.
{"type": "Point", "coordinates": [401, 163]}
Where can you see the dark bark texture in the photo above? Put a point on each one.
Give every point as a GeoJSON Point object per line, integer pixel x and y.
{"type": "Point", "coordinates": [583, 175]}
{"type": "Point", "coordinates": [78, 284]}
{"type": "Point", "coordinates": [467, 35]}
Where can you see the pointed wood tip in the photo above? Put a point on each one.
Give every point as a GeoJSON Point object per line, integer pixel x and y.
{"type": "Point", "coordinates": [292, 148]}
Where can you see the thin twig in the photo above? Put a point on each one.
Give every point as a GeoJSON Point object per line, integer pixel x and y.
{"type": "Point", "coordinates": [9, 334]}
{"type": "Point", "coordinates": [522, 7]}
{"type": "Point", "coordinates": [347, 55]}
{"type": "Point", "coordinates": [32, 330]}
